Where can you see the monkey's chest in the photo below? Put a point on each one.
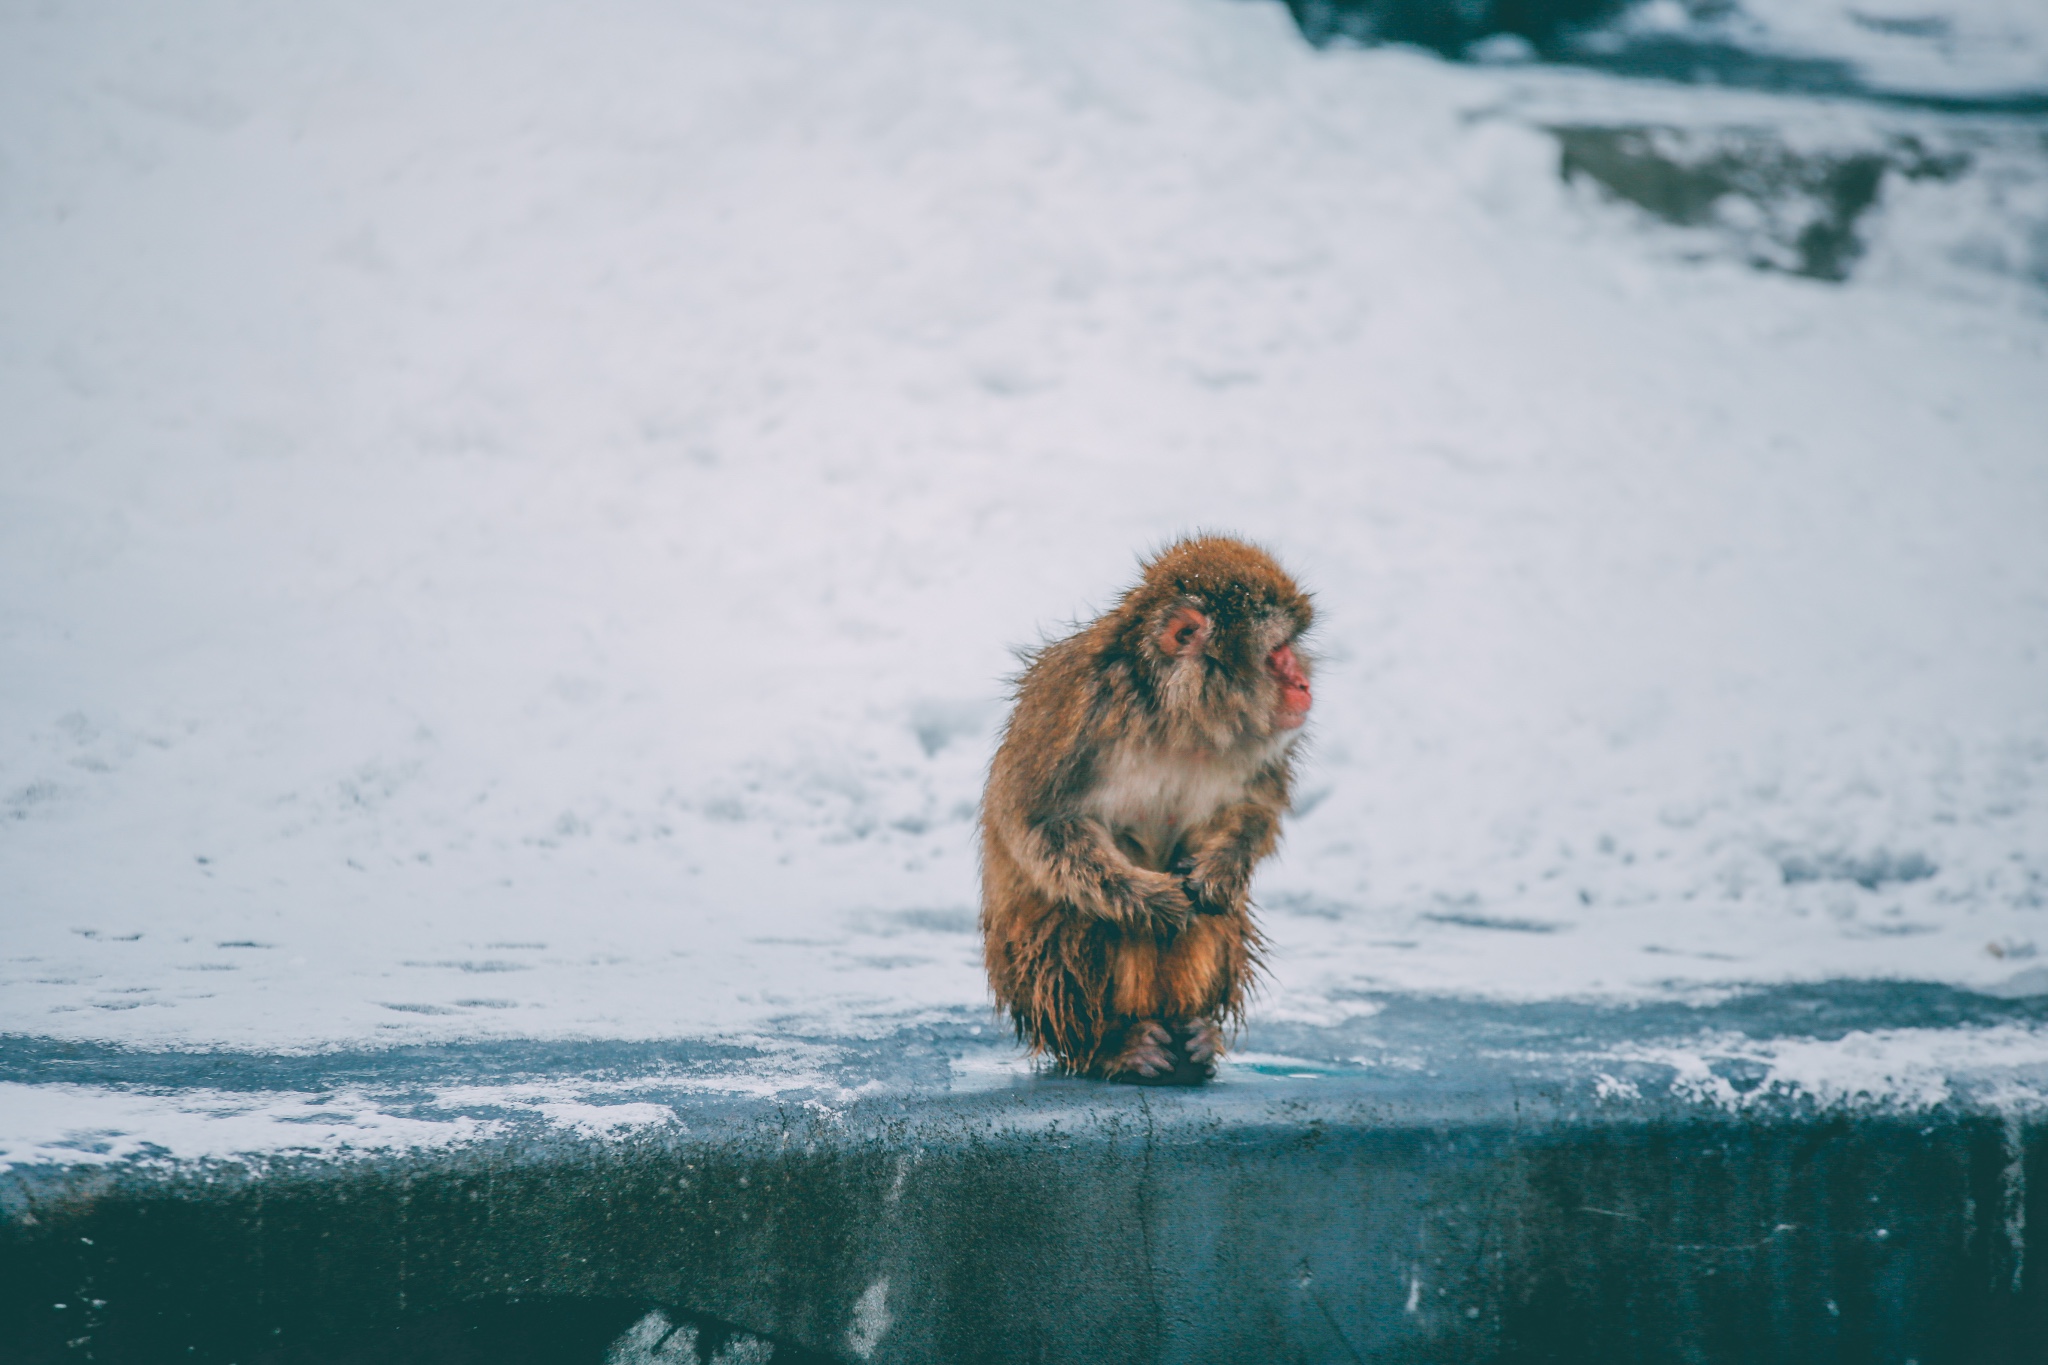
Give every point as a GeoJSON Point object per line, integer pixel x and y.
{"type": "Point", "coordinates": [1151, 802]}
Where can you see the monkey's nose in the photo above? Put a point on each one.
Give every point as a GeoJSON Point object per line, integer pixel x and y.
{"type": "Point", "coordinates": [1295, 698]}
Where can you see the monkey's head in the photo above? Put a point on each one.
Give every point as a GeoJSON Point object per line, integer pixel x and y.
{"type": "Point", "coordinates": [1215, 626]}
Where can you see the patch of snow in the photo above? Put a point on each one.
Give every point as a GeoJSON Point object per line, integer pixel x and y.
{"type": "Point", "coordinates": [1960, 48]}
{"type": "Point", "coordinates": [75, 1125]}
{"type": "Point", "coordinates": [871, 1319]}
{"type": "Point", "coordinates": [1906, 1069]}
{"type": "Point", "coordinates": [515, 520]}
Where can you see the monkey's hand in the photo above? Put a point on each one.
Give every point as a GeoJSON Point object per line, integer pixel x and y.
{"type": "Point", "coordinates": [1163, 899]}
{"type": "Point", "coordinates": [1217, 869]}
{"type": "Point", "coordinates": [1213, 891]}
{"type": "Point", "coordinates": [1078, 864]}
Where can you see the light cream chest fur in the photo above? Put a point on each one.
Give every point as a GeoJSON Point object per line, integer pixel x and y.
{"type": "Point", "coordinates": [1151, 798]}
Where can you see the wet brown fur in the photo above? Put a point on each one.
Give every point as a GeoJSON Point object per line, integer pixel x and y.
{"type": "Point", "coordinates": [1097, 922]}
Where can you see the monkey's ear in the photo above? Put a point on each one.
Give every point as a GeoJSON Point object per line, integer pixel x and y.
{"type": "Point", "coordinates": [1187, 629]}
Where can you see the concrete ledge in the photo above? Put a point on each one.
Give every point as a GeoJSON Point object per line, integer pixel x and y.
{"type": "Point", "coordinates": [1480, 1203]}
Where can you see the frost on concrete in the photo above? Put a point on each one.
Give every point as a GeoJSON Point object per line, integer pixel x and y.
{"type": "Point", "coordinates": [1905, 1070]}
{"type": "Point", "coordinates": [514, 522]}
{"type": "Point", "coordinates": [871, 1319]}
{"type": "Point", "coordinates": [655, 1340]}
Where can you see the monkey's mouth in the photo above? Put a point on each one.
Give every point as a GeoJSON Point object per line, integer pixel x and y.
{"type": "Point", "coordinates": [1294, 694]}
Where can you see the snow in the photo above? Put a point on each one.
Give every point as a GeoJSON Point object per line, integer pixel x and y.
{"type": "Point", "coordinates": [1905, 1069]}
{"type": "Point", "coordinates": [78, 1125]}
{"type": "Point", "coordinates": [515, 519]}
{"type": "Point", "coordinates": [1952, 49]}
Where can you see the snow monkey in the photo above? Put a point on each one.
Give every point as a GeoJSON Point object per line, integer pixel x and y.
{"type": "Point", "coordinates": [1140, 778]}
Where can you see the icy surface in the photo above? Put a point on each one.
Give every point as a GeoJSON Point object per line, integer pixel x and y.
{"type": "Point", "coordinates": [514, 518]}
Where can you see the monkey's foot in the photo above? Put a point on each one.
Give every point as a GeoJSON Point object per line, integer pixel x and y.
{"type": "Point", "coordinates": [1179, 1052]}
{"type": "Point", "coordinates": [1147, 1057]}
{"type": "Point", "coordinates": [1202, 1042]}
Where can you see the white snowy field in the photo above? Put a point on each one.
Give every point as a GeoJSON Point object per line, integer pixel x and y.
{"type": "Point", "coordinates": [513, 518]}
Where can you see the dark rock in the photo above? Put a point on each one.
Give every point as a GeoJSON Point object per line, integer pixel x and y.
{"type": "Point", "coordinates": [1801, 208]}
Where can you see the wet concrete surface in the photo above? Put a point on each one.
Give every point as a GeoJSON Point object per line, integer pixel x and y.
{"type": "Point", "coordinates": [1431, 1180]}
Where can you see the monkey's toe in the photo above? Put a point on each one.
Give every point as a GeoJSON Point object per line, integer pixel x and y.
{"type": "Point", "coordinates": [1204, 1044]}
{"type": "Point", "coordinates": [1179, 1053]}
{"type": "Point", "coordinates": [1147, 1054]}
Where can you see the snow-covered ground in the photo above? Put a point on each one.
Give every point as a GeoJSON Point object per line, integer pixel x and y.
{"type": "Point", "coordinates": [1958, 50]}
{"type": "Point", "coordinates": [513, 518]}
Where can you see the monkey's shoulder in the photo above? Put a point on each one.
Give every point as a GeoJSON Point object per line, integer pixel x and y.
{"type": "Point", "coordinates": [1069, 690]}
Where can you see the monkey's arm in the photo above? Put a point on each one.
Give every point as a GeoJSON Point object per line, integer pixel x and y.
{"type": "Point", "coordinates": [1073, 860]}
{"type": "Point", "coordinates": [1222, 853]}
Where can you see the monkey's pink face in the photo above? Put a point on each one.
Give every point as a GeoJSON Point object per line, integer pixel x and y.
{"type": "Point", "coordinates": [1186, 635]}
{"type": "Point", "coordinates": [1294, 694]}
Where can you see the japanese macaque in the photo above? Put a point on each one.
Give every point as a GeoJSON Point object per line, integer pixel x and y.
{"type": "Point", "coordinates": [1140, 779]}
